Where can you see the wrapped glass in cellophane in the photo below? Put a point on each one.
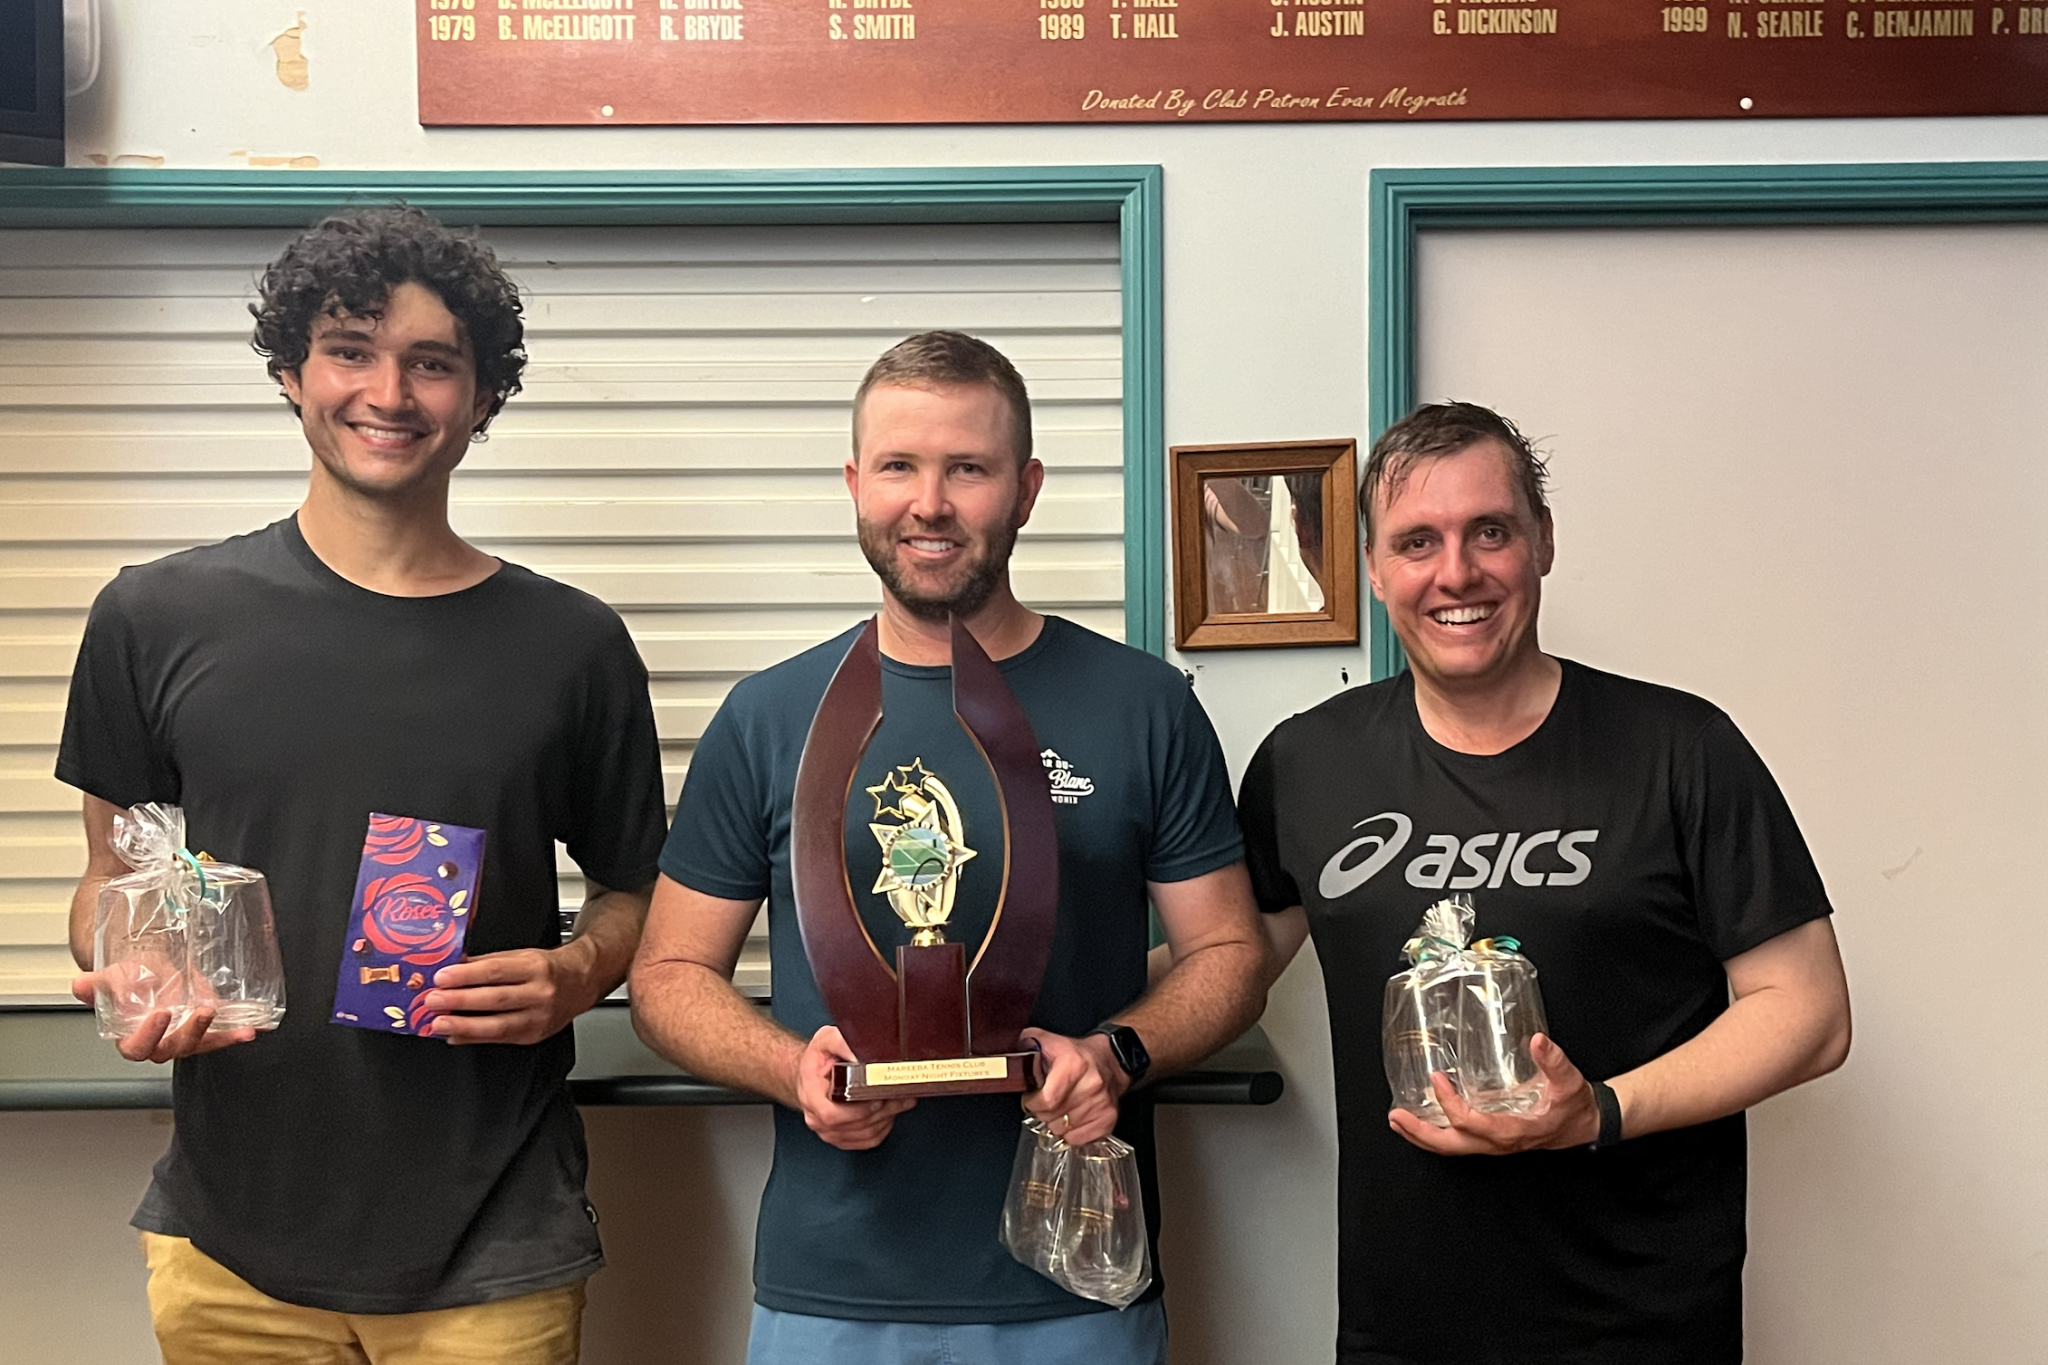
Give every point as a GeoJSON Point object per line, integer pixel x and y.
{"type": "Point", "coordinates": [1076, 1215]}
{"type": "Point", "coordinates": [182, 933]}
{"type": "Point", "coordinates": [1466, 1011]}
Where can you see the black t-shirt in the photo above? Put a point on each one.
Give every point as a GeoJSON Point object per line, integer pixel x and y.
{"type": "Point", "coordinates": [907, 1232]}
{"type": "Point", "coordinates": [1633, 843]}
{"type": "Point", "coordinates": [280, 705]}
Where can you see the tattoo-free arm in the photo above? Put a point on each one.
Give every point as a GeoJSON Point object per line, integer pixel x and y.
{"type": "Point", "coordinates": [684, 1004]}
{"type": "Point", "coordinates": [101, 864]}
{"type": "Point", "coordinates": [1787, 1023]}
{"type": "Point", "coordinates": [1285, 931]}
{"type": "Point", "coordinates": [525, 995]}
{"type": "Point", "coordinates": [685, 1008]}
{"type": "Point", "coordinates": [1214, 990]}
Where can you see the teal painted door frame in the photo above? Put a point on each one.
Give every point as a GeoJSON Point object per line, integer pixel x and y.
{"type": "Point", "coordinates": [1126, 195]}
{"type": "Point", "coordinates": [1405, 203]}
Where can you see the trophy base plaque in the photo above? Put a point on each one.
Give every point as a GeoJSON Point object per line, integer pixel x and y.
{"type": "Point", "coordinates": [1012, 1072]}
{"type": "Point", "coordinates": [933, 1054]}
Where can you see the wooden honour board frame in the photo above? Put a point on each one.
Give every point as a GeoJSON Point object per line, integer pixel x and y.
{"type": "Point", "coordinates": [567, 62]}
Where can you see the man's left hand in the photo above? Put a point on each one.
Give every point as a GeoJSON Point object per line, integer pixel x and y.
{"type": "Point", "coordinates": [521, 996]}
{"type": "Point", "coordinates": [1566, 1118]}
{"type": "Point", "coordinates": [1083, 1082]}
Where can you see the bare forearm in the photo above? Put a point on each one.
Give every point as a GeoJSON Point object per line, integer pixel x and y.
{"type": "Point", "coordinates": [691, 1015]}
{"type": "Point", "coordinates": [607, 932]}
{"type": "Point", "coordinates": [85, 900]}
{"type": "Point", "coordinates": [1209, 997]}
{"type": "Point", "coordinates": [102, 865]}
{"type": "Point", "coordinates": [1764, 1043]}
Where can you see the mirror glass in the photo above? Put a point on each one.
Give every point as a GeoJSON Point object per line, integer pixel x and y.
{"type": "Point", "coordinates": [1263, 538]}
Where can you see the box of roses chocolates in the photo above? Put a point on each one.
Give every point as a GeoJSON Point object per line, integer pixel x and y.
{"type": "Point", "coordinates": [416, 891]}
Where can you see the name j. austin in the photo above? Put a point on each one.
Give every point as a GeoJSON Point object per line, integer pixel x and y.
{"type": "Point", "coordinates": [1180, 103]}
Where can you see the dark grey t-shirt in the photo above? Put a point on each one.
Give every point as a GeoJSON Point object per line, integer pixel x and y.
{"type": "Point", "coordinates": [907, 1232]}
{"type": "Point", "coordinates": [280, 705]}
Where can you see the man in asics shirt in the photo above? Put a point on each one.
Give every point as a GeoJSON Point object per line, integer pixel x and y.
{"type": "Point", "coordinates": [1636, 845]}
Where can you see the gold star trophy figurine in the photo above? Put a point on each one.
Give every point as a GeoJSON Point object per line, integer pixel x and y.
{"type": "Point", "coordinates": [921, 857]}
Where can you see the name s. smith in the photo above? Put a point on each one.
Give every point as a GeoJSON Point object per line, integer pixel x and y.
{"type": "Point", "coordinates": [884, 26]}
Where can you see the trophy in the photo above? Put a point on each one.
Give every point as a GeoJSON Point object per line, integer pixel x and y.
{"type": "Point", "coordinates": [937, 1023]}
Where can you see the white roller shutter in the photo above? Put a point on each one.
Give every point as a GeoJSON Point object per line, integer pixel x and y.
{"type": "Point", "coordinates": [676, 451]}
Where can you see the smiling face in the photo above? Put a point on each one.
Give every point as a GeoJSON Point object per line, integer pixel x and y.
{"type": "Point", "coordinates": [1458, 558]}
{"type": "Point", "coordinates": [388, 403]}
{"type": "Point", "coordinates": [939, 495]}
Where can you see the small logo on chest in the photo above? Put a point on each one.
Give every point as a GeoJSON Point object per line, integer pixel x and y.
{"type": "Point", "coordinates": [1068, 786]}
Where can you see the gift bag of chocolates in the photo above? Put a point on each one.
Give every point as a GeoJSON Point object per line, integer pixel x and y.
{"type": "Point", "coordinates": [1466, 1009]}
{"type": "Point", "coordinates": [182, 933]}
{"type": "Point", "coordinates": [416, 890]}
{"type": "Point", "coordinates": [1076, 1215]}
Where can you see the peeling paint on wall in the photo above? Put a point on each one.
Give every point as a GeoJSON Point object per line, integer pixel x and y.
{"type": "Point", "coordinates": [125, 159]}
{"type": "Point", "coordinates": [242, 156]}
{"type": "Point", "coordinates": [293, 73]}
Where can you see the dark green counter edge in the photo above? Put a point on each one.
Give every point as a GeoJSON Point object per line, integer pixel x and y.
{"type": "Point", "coordinates": [52, 1058]}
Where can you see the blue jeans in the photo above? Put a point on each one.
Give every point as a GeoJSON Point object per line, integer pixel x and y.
{"type": "Point", "coordinates": [1134, 1336]}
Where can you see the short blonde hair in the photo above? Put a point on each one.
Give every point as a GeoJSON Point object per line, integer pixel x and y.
{"type": "Point", "coordinates": [936, 359]}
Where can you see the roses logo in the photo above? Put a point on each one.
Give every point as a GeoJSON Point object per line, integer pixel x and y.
{"type": "Point", "coordinates": [407, 916]}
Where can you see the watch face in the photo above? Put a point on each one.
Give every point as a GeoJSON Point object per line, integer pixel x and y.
{"type": "Point", "coordinates": [1130, 1052]}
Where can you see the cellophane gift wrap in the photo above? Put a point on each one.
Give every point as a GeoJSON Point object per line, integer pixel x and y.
{"type": "Point", "coordinates": [1466, 1009]}
{"type": "Point", "coordinates": [182, 933]}
{"type": "Point", "coordinates": [1076, 1215]}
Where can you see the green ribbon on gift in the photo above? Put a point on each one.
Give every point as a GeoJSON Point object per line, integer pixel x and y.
{"type": "Point", "coordinates": [198, 870]}
{"type": "Point", "coordinates": [1428, 948]}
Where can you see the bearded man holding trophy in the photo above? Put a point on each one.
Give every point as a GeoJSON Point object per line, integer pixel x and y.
{"type": "Point", "coordinates": [957, 814]}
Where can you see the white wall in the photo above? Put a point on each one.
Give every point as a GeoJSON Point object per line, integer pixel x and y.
{"type": "Point", "coordinates": [1800, 471]}
{"type": "Point", "coordinates": [1265, 340]}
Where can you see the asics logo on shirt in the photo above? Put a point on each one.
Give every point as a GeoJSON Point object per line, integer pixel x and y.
{"type": "Point", "coordinates": [1483, 860]}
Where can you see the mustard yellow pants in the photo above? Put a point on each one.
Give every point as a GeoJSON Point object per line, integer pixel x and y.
{"type": "Point", "coordinates": [205, 1314]}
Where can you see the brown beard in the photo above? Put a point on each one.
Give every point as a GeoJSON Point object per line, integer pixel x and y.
{"type": "Point", "coordinates": [978, 582]}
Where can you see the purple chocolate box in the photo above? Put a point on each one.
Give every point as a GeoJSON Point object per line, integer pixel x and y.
{"type": "Point", "coordinates": [415, 893]}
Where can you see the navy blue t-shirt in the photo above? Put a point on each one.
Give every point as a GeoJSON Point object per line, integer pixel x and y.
{"type": "Point", "coordinates": [907, 1232]}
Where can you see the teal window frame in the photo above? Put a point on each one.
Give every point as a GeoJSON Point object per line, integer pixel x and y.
{"type": "Point", "coordinates": [1405, 203]}
{"type": "Point", "coordinates": [1129, 196]}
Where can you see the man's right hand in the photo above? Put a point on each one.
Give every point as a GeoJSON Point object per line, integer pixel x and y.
{"type": "Point", "coordinates": [852, 1126]}
{"type": "Point", "coordinates": [154, 1040]}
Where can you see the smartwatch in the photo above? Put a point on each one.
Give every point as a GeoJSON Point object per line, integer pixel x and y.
{"type": "Point", "coordinates": [1129, 1052]}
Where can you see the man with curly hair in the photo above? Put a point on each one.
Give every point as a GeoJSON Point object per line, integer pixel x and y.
{"type": "Point", "coordinates": [335, 1193]}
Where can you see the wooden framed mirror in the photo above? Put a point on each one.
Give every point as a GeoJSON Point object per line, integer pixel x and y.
{"type": "Point", "coordinates": [1265, 544]}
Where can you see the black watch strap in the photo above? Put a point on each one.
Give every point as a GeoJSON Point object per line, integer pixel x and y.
{"type": "Point", "coordinates": [1609, 1105]}
{"type": "Point", "coordinates": [1127, 1048]}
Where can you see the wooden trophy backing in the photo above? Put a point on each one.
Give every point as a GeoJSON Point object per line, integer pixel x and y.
{"type": "Point", "coordinates": [863, 994]}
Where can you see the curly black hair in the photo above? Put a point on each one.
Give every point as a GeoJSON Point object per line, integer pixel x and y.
{"type": "Point", "coordinates": [346, 265]}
